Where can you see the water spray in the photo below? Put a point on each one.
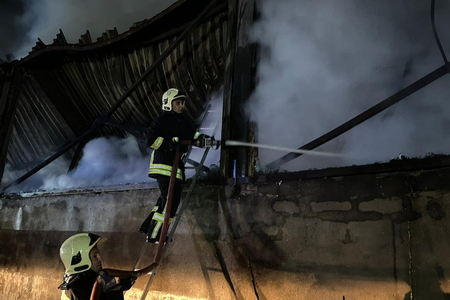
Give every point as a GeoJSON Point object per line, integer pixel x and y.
{"type": "Point", "coordinates": [213, 143]}
{"type": "Point", "coordinates": [285, 149]}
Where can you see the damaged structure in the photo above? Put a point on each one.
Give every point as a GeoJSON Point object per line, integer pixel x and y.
{"type": "Point", "coordinates": [362, 232]}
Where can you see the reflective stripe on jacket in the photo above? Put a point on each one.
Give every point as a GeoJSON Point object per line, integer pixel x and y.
{"type": "Point", "coordinates": [162, 169]}
{"type": "Point", "coordinates": [159, 136]}
{"type": "Point", "coordinates": [64, 296]}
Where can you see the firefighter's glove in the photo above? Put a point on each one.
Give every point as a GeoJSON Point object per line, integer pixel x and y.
{"type": "Point", "coordinates": [175, 145]}
{"type": "Point", "coordinates": [126, 283]}
{"type": "Point", "coordinates": [199, 140]}
{"type": "Point", "coordinates": [109, 283]}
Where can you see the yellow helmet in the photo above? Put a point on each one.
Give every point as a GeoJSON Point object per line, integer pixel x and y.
{"type": "Point", "coordinates": [169, 96]}
{"type": "Point", "coordinates": [74, 252]}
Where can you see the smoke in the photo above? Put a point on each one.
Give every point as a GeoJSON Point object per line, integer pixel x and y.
{"type": "Point", "coordinates": [44, 18]}
{"type": "Point", "coordinates": [58, 167]}
{"type": "Point", "coordinates": [104, 162]}
{"type": "Point", "coordinates": [212, 126]}
{"type": "Point", "coordinates": [323, 62]}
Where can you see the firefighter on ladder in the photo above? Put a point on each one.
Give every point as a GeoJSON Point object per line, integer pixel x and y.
{"type": "Point", "coordinates": [164, 137]}
{"type": "Point", "coordinates": [82, 261]}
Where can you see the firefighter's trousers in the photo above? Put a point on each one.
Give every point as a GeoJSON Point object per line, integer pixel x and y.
{"type": "Point", "coordinates": [153, 223]}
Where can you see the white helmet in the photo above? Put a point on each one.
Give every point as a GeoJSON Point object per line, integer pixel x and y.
{"type": "Point", "coordinates": [74, 252]}
{"type": "Point", "coordinates": [169, 96]}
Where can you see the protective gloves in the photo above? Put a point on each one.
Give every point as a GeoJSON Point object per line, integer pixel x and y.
{"type": "Point", "coordinates": [111, 283]}
{"type": "Point", "coordinates": [175, 145]}
{"type": "Point", "coordinates": [127, 282]}
{"type": "Point", "coordinates": [199, 139]}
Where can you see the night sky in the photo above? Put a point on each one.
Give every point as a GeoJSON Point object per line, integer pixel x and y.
{"type": "Point", "coordinates": [12, 30]}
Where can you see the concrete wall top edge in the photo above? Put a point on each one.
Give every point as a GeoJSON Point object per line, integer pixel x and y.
{"type": "Point", "coordinates": [395, 166]}
{"type": "Point", "coordinates": [77, 191]}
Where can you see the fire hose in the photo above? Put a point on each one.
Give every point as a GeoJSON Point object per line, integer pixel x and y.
{"type": "Point", "coordinates": [98, 287]}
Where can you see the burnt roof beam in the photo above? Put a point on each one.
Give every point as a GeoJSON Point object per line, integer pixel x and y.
{"type": "Point", "coordinates": [388, 102]}
{"type": "Point", "coordinates": [237, 88]}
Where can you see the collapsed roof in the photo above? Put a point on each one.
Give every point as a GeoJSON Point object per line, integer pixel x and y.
{"type": "Point", "coordinates": [59, 91]}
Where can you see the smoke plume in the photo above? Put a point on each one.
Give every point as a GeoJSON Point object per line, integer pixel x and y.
{"type": "Point", "coordinates": [104, 162]}
{"type": "Point", "coordinates": [324, 62]}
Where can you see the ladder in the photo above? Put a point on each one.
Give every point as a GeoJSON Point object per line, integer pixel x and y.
{"type": "Point", "coordinates": [198, 167]}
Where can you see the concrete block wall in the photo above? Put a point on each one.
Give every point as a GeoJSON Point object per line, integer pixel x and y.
{"type": "Point", "coordinates": [366, 236]}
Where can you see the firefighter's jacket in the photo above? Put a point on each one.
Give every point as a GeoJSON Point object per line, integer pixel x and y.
{"type": "Point", "coordinates": [159, 137]}
{"type": "Point", "coordinates": [79, 287]}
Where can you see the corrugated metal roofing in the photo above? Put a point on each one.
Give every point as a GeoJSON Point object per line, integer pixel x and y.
{"type": "Point", "coordinates": [38, 128]}
{"type": "Point", "coordinates": [68, 86]}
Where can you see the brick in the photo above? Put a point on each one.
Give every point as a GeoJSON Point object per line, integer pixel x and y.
{"type": "Point", "coordinates": [330, 206]}
{"type": "Point", "coordinates": [286, 206]}
{"type": "Point", "coordinates": [384, 206]}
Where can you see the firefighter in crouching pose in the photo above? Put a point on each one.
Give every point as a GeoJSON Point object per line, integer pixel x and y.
{"type": "Point", "coordinates": [164, 137]}
{"type": "Point", "coordinates": [81, 258]}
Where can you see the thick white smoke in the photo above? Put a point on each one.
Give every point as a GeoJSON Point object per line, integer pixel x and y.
{"type": "Point", "coordinates": [74, 17]}
{"type": "Point", "coordinates": [104, 162]}
{"type": "Point", "coordinates": [324, 62]}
